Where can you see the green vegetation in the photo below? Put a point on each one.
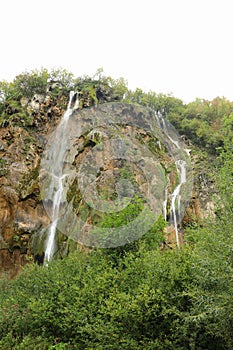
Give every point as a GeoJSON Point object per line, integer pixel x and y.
{"type": "Point", "coordinates": [15, 96]}
{"type": "Point", "coordinates": [152, 298]}
{"type": "Point", "coordinates": [144, 295]}
{"type": "Point", "coordinates": [201, 121]}
{"type": "Point", "coordinates": [3, 167]}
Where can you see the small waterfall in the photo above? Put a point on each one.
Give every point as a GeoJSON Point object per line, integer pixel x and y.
{"type": "Point", "coordinates": [176, 196]}
{"type": "Point", "coordinates": [165, 205]}
{"type": "Point", "coordinates": [175, 208]}
{"type": "Point", "coordinates": [163, 125]}
{"type": "Point", "coordinates": [57, 176]}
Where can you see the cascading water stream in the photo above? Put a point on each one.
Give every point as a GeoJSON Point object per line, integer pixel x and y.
{"type": "Point", "coordinates": [162, 125]}
{"type": "Point", "coordinates": [176, 196]}
{"type": "Point", "coordinates": [181, 170]}
{"type": "Point", "coordinates": [57, 176]}
{"type": "Point", "coordinates": [165, 205]}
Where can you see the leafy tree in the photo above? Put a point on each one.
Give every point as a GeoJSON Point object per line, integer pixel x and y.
{"type": "Point", "coordinates": [61, 75]}
{"type": "Point", "coordinates": [202, 122]}
{"type": "Point", "coordinates": [29, 83]}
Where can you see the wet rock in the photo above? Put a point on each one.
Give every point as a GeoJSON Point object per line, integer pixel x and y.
{"type": "Point", "coordinates": [22, 214]}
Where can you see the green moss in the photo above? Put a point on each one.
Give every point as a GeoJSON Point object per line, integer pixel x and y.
{"type": "Point", "coordinates": [34, 173]}
{"type": "Point", "coordinates": [3, 167]}
{"type": "Point", "coordinates": [74, 194]}
{"type": "Point", "coordinates": [126, 215]}
{"type": "Point", "coordinates": [154, 147]}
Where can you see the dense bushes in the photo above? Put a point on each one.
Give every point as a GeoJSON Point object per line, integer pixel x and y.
{"type": "Point", "coordinates": [153, 299]}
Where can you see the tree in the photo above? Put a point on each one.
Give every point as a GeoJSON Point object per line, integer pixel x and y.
{"type": "Point", "coordinates": [29, 83]}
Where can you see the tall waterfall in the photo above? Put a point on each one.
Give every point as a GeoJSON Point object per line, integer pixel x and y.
{"type": "Point", "coordinates": [57, 176]}
{"type": "Point", "coordinates": [175, 207]}
{"type": "Point", "coordinates": [176, 196]}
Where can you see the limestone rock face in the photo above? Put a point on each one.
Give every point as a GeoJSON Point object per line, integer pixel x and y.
{"type": "Point", "coordinates": [21, 210]}
{"type": "Point", "coordinates": [22, 214]}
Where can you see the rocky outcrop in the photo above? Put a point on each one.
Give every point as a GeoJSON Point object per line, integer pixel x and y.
{"type": "Point", "coordinates": [22, 214]}
{"type": "Point", "coordinates": [21, 210]}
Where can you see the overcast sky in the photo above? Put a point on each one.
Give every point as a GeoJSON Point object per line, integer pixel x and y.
{"type": "Point", "coordinates": [183, 47]}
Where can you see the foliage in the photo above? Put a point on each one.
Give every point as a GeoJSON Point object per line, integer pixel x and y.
{"type": "Point", "coordinates": [225, 172]}
{"type": "Point", "coordinates": [202, 121]}
{"type": "Point", "coordinates": [57, 84]}
{"type": "Point", "coordinates": [152, 299]}
{"type": "Point", "coordinates": [99, 89]}
{"type": "Point", "coordinates": [210, 321]}
{"type": "Point", "coordinates": [61, 75]}
{"type": "Point", "coordinates": [30, 83]}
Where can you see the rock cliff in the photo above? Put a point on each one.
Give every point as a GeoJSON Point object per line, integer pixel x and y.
{"type": "Point", "coordinates": [22, 213]}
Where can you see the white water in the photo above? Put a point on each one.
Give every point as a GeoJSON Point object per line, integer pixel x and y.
{"type": "Point", "coordinates": [57, 176]}
{"type": "Point", "coordinates": [162, 125]}
{"type": "Point", "coordinates": [165, 205]}
{"type": "Point", "coordinates": [175, 209]}
{"type": "Point", "coordinates": [176, 196]}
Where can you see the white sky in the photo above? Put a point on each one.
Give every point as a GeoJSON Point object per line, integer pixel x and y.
{"type": "Point", "coordinates": [183, 47]}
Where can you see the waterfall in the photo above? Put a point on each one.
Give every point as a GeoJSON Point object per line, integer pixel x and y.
{"type": "Point", "coordinates": [176, 196]}
{"type": "Point", "coordinates": [163, 125]}
{"type": "Point", "coordinates": [165, 205]}
{"type": "Point", "coordinates": [175, 207]}
{"type": "Point", "coordinates": [57, 176]}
